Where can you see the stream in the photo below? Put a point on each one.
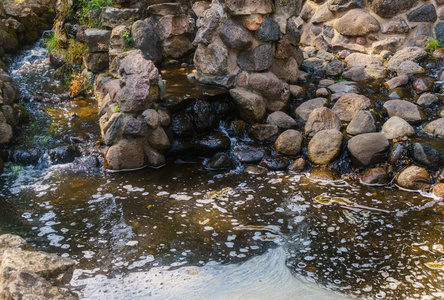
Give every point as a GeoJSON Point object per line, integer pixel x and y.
{"type": "Point", "coordinates": [183, 232]}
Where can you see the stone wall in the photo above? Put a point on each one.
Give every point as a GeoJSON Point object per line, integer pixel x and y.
{"type": "Point", "coordinates": [370, 26]}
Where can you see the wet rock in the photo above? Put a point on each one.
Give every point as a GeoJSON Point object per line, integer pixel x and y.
{"type": "Point", "coordinates": [422, 85]}
{"type": "Point", "coordinates": [391, 8]}
{"type": "Point", "coordinates": [279, 163]}
{"type": "Point", "coordinates": [343, 87]}
{"type": "Point", "coordinates": [238, 128]}
{"type": "Point", "coordinates": [158, 139]}
{"type": "Point", "coordinates": [297, 91]}
{"type": "Point", "coordinates": [427, 100]}
{"type": "Point", "coordinates": [321, 119]}
{"type": "Point", "coordinates": [153, 157]}
{"type": "Point", "coordinates": [325, 146]}
{"type": "Point", "coordinates": [251, 106]}
{"type": "Point", "coordinates": [258, 59]}
{"type": "Point", "coordinates": [315, 65]}
{"type": "Point", "coordinates": [203, 116]}
{"type": "Point", "coordinates": [264, 132]}
{"type": "Point", "coordinates": [397, 127]}
{"type": "Point", "coordinates": [220, 161]}
{"type": "Point", "coordinates": [235, 35]}
{"type": "Point", "coordinates": [112, 16]}
{"type": "Point", "coordinates": [289, 142]}
{"type": "Point", "coordinates": [250, 153]}
{"type": "Point", "coordinates": [409, 67]}
{"type": "Point", "coordinates": [356, 23]}
{"type": "Point", "coordinates": [362, 122]}
{"type": "Point", "coordinates": [367, 149]}
{"type": "Point", "coordinates": [180, 147]}
{"type": "Point", "coordinates": [281, 120]}
{"type": "Point", "coordinates": [414, 178]}
{"type": "Point", "coordinates": [396, 82]}
{"type": "Point", "coordinates": [275, 92]}
{"type": "Point", "coordinates": [424, 13]}
{"type": "Point", "coordinates": [146, 39]}
{"type": "Point", "coordinates": [426, 155]}
{"type": "Point", "coordinates": [397, 153]}
{"type": "Point", "coordinates": [181, 125]}
{"type": "Point", "coordinates": [414, 54]}
{"type": "Point", "coordinates": [269, 31]}
{"type": "Point", "coordinates": [11, 115]}
{"type": "Point", "coordinates": [212, 143]}
{"type": "Point", "coordinates": [404, 109]}
{"type": "Point", "coordinates": [357, 74]}
{"type": "Point", "coordinates": [439, 31]}
{"type": "Point", "coordinates": [343, 5]}
{"type": "Point", "coordinates": [375, 176]}
{"type": "Point", "coordinates": [435, 127]}
{"type": "Point", "coordinates": [298, 165]}
{"type": "Point", "coordinates": [255, 170]}
{"type": "Point", "coordinates": [63, 154]}
{"type": "Point", "coordinates": [126, 155]}
{"type": "Point", "coordinates": [97, 40]}
{"type": "Point", "coordinates": [438, 190]}
{"type": "Point", "coordinates": [396, 26]}
{"type": "Point", "coordinates": [322, 173]}
{"type": "Point", "coordinates": [349, 104]}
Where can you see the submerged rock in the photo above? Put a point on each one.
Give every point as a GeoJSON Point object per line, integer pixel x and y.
{"type": "Point", "coordinates": [211, 143]}
{"type": "Point", "coordinates": [375, 176]}
{"type": "Point", "coordinates": [275, 163]}
{"type": "Point", "coordinates": [250, 153]}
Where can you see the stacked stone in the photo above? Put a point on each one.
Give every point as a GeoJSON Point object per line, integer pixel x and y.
{"type": "Point", "coordinates": [132, 126]}
{"type": "Point", "coordinates": [252, 48]}
{"type": "Point", "coordinates": [370, 27]}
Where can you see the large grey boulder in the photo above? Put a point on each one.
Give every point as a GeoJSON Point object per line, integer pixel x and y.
{"type": "Point", "coordinates": [208, 24]}
{"type": "Point", "coordinates": [356, 23]}
{"type": "Point", "coordinates": [281, 120]}
{"type": "Point", "coordinates": [269, 31]}
{"type": "Point", "coordinates": [349, 104]}
{"type": "Point", "coordinates": [426, 155]}
{"type": "Point", "coordinates": [397, 127]}
{"type": "Point", "coordinates": [304, 110]}
{"type": "Point", "coordinates": [424, 13]}
{"type": "Point", "coordinates": [212, 59]}
{"type": "Point", "coordinates": [275, 92]}
{"type": "Point", "coordinates": [367, 149]}
{"type": "Point", "coordinates": [321, 118]}
{"type": "Point", "coordinates": [410, 112]}
{"type": "Point", "coordinates": [325, 146]}
{"type": "Point", "coordinates": [147, 40]}
{"type": "Point", "coordinates": [251, 106]}
{"type": "Point", "coordinates": [362, 122]}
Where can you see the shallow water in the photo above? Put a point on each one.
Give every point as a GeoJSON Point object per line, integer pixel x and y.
{"type": "Point", "coordinates": [182, 232]}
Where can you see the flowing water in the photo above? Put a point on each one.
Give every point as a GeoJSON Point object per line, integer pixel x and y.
{"type": "Point", "coordinates": [182, 232]}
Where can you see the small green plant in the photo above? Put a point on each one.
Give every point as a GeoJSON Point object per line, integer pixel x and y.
{"type": "Point", "coordinates": [128, 39]}
{"type": "Point", "coordinates": [89, 11]}
{"type": "Point", "coordinates": [432, 44]}
{"type": "Point", "coordinates": [341, 79]}
{"type": "Point", "coordinates": [116, 109]}
{"type": "Point", "coordinates": [52, 42]}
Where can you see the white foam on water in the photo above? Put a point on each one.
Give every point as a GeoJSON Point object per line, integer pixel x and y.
{"type": "Point", "coordinates": [262, 277]}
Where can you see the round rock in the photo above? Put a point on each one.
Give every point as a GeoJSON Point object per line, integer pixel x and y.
{"type": "Point", "coordinates": [367, 149]}
{"type": "Point", "coordinates": [289, 142]}
{"type": "Point", "coordinates": [397, 127]}
{"type": "Point", "coordinates": [414, 178]}
{"type": "Point", "coordinates": [325, 146]}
